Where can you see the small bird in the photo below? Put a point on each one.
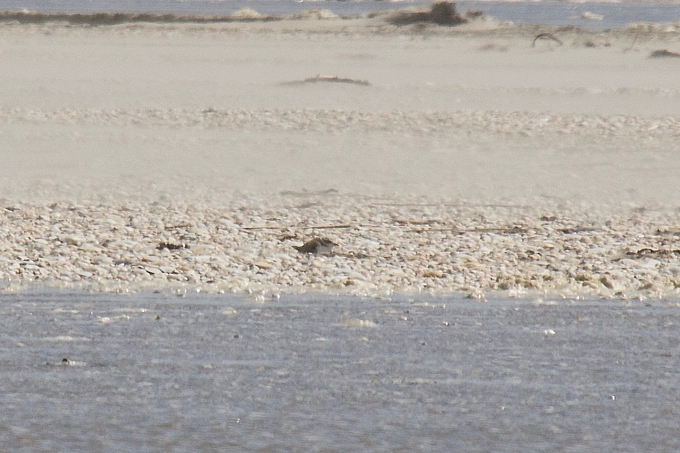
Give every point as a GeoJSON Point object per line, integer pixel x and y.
{"type": "Point", "coordinates": [317, 246]}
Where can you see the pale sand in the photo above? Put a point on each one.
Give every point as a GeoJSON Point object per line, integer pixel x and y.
{"type": "Point", "coordinates": [472, 116]}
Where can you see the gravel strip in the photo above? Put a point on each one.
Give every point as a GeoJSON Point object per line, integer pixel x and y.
{"type": "Point", "coordinates": [340, 121]}
{"type": "Point", "coordinates": [385, 246]}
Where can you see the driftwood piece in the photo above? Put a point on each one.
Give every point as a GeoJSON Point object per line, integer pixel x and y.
{"type": "Point", "coordinates": [647, 252]}
{"type": "Point", "coordinates": [329, 79]}
{"type": "Point", "coordinates": [420, 226]}
{"type": "Point", "coordinates": [279, 227]}
{"type": "Point", "coordinates": [663, 53]}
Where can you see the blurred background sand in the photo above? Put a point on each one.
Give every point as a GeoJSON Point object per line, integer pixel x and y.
{"type": "Point", "coordinates": [144, 68]}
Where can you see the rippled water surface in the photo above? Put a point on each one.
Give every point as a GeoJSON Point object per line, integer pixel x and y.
{"type": "Point", "coordinates": [138, 373]}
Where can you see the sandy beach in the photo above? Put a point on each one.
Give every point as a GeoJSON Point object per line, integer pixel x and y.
{"type": "Point", "coordinates": [440, 159]}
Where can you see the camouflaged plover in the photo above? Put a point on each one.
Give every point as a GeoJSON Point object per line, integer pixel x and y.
{"type": "Point", "coordinates": [317, 246]}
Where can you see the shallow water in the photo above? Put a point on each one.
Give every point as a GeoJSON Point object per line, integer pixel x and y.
{"type": "Point", "coordinates": [614, 15]}
{"type": "Point", "coordinates": [154, 372]}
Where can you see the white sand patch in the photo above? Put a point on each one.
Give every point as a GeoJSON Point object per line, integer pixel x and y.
{"type": "Point", "coordinates": [315, 14]}
{"type": "Point", "coordinates": [65, 339]}
{"type": "Point", "coordinates": [245, 13]}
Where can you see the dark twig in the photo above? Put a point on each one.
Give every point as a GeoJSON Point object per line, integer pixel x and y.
{"type": "Point", "coordinates": [333, 79]}
{"type": "Point", "coordinates": [634, 41]}
{"type": "Point", "coordinates": [312, 227]}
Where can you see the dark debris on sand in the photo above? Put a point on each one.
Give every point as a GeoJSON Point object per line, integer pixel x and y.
{"type": "Point", "coordinates": [441, 13]}
{"type": "Point", "coordinates": [663, 53]}
{"type": "Point", "coordinates": [94, 19]}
